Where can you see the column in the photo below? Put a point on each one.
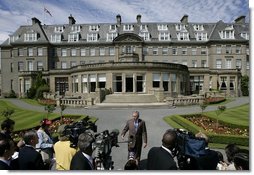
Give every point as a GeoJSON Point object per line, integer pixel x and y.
{"type": "Point", "coordinates": [228, 85]}
{"type": "Point", "coordinates": [169, 84]}
{"type": "Point", "coordinates": [79, 83]}
{"type": "Point", "coordinates": [123, 82]}
{"type": "Point", "coordinates": [134, 82]}
{"type": "Point", "coordinates": [21, 83]}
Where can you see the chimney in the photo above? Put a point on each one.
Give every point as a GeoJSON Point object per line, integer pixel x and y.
{"type": "Point", "coordinates": [240, 20]}
{"type": "Point", "coordinates": [118, 20]}
{"type": "Point", "coordinates": [71, 20]}
{"type": "Point", "coordinates": [35, 21]}
{"type": "Point", "coordinates": [139, 19]}
{"type": "Point", "coordinates": [184, 19]}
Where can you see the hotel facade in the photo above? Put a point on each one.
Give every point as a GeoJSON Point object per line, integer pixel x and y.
{"type": "Point", "coordinates": [162, 60]}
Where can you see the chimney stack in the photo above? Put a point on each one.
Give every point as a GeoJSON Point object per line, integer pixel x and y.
{"type": "Point", "coordinates": [35, 20]}
{"type": "Point", "coordinates": [240, 20]}
{"type": "Point", "coordinates": [71, 20]}
{"type": "Point", "coordinates": [184, 19]}
{"type": "Point", "coordinates": [139, 19]}
{"type": "Point", "coordinates": [118, 20]}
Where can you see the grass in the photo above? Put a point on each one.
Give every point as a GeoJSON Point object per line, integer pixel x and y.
{"type": "Point", "coordinates": [31, 101]}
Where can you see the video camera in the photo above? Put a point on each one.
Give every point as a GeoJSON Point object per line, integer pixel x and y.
{"type": "Point", "coordinates": [75, 129]}
{"type": "Point", "coordinates": [187, 147]}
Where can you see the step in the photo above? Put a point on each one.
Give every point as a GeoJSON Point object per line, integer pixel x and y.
{"type": "Point", "coordinates": [130, 98]}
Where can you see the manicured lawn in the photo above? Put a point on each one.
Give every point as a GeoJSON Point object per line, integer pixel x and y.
{"type": "Point", "coordinates": [238, 115]}
{"type": "Point", "coordinates": [24, 118]}
{"type": "Point", "coordinates": [31, 101]}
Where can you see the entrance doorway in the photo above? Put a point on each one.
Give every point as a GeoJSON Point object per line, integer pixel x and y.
{"type": "Point", "coordinates": [129, 84]}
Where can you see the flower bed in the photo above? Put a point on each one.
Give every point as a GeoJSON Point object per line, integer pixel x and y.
{"type": "Point", "coordinates": [214, 100]}
{"type": "Point", "coordinates": [210, 125]}
{"type": "Point", "coordinates": [47, 101]}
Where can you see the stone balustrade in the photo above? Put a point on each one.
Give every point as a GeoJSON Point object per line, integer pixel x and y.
{"type": "Point", "coordinates": [183, 101]}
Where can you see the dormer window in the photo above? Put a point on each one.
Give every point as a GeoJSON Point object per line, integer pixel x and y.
{"type": "Point", "coordinates": [112, 28]}
{"type": "Point", "coordinates": [13, 38]}
{"type": "Point", "coordinates": [227, 34]}
{"type": "Point", "coordinates": [111, 36]}
{"type": "Point", "coordinates": [92, 37]}
{"type": "Point", "coordinates": [128, 27]}
{"type": "Point", "coordinates": [162, 27]}
{"type": "Point", "coordinates": [145, 36]}
{"type": "Point", "coordinates": [73, 37]}
{"type": "Point", "coordinates": [56, 38]}
{"type": "Point", "coordinates": [201, 36]}
{"type": "Point", "coordinates": [75, 28]}
{"type": "Point", "coordinates": [164, 36]}
{"type": "Point", "coordinates": [183, 36]}
{"type": "Point", "coordinates": [180, 27]}
{"type": "Point", "coordinates": [198, 27]}
{"type": "Point", "coordinates": [30, 36]}
{"type": "Point", "coordinates": [59, 29]}
{"type": "Point", "coordinates": [143, 27]}
{"type": "Point", "coordinates": [93, 28]}
{"type": "Point", "coordinates": [245, 36]}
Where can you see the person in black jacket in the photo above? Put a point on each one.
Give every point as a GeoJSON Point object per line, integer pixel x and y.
{"type": "Point", "coordinates": [7, 148]}
{"type": "Point", "coordinates": [83, 160]}
{"type": "Point", "coordinates": [29, 158]}
{"type": "Point", "coordinates": [161, 158]}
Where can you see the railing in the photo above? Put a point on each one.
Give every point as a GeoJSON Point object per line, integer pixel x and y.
{"type": "Point", "coordinates": [183, 101]}
{"type": "Point", "coordinates": [76, 102]}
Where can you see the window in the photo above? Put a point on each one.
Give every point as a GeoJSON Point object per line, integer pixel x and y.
{"type": "Point", "coordinates": [73, 37]}
{"type": "Point", "coordinates": [20, 66]}
{"type": "Point", "coordinates": [40, 52]}
{"type": "Point", "coordinates": [156, 80]}
{"type": "Point", "coordinates": [198, 27]}
{"type": "Point", "coordinates": [20, 52]}
{"type": "Point", "coordinates": [39, 65]}
{"type": "Point", "coordinates": [11, 67]}
{"type": "Point", "coordinates": [173, 83]}
{"type": "Point", "coordinates": [145, 36]}
{"type": "Point", "coordinates": [102, 80]}
{"type": "Point", "coordinates": [180, 27]}
{"type": "Point", "coordinates": [64, 52]}
{"type": "Point", "coordinates": [112, 28]}
{"type": "Point", "coordinates": [245, 36]}
{"type": "Point", "coordinates": [145, 50]}
{"type": "Point", "coordinates": [228, 64]}
{"type": "Point", "coordinates": [27, 84]}
{"type": "Point", "coordinates": [91, 37]}
{"type": "Point", "coordinates": [223, 83]}
{"type": "Point", "coordinates": [128, 27]}
{"type": "Point", "coordinates": [203, 51]}
{"type": "Point", "coordinates": [201, 36]}
{"type": "Point", "coordinates": [30, 66]}
{"type": "Point", "coordinates": [174, 51]}
{"type": "Point", "coordinates": [238, 49]}
{"type": "Point", "coordinates": [165, 81]}
{"type": "Point", "coordinates": [194, 63]}
{"type": "Point", "coordinates": [73, 63]}
{"type": "Point", "coordinates": [82, 62]}
{"type": "Point", "coordinates": [228, 49]}
{"type": "Point", "coordinates": [164, 51]}
{"type": "Point", "coordinates": [59, 29]}
{"type": "Point", "coordinates": [218, 49]}
{"type": "Point", "coordinates": [164, 36]}
{"type": "Point", "coordinates": [143, 27]}
{"type": "Point", "coordinates": [203, 63]}
{"type": "Point", "coordinates": [94, 28]}
{"type": "Point", "coordinates": [238, 63]}
{"type": "Point", "coordinates": [232, 83]}
{"type": "Point", "coordinates": [111, 36]}
{"type": "Point", "coordinates": [194, 51]}
{"type": "Point", "coordinates": [74, 84]}
{"type": "Point", "coordinates": [111, 51]}
{"type": "Point", "coordinates": [56, 38]}
{"type": "Point", "coordinates": [30, 52]}
{"type": "Point", "coordinates": [218, 63]}
{"type": "Point", "coordinates": [155, 51]}
{"type": "Point", "coordinates": [73, 52]}
{"type": "Point", "coordinates": [30, 37]}
{"type": "Point", "coordinates": [102, 51]}
{"type": "Point", "coordinates": [162, 27]}
{"type": "Point", "coordinates": [184, 51]}
{"type": "Point", "coordinates": [75, 29]}
{"type": "Point", "coordinates": [227, 34]}
{"type": "Point", "coordinates": [183, 36]}
{"type": "Point", "coordinates": [92, 52]}
{"type": "Point", "coordinates": [63, 65]}
{"type": "Point", "coordinates": [84, 88]}
{"type": "Point", "coordinates": [83, 52]}
{"type": "Point", "coordinates": [92, 81]}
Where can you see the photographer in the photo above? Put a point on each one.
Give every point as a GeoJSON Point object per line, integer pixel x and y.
{"type": "Point", "coordinates": [161, 158]}
{"type": "Point", "coordinates": [83, 160]}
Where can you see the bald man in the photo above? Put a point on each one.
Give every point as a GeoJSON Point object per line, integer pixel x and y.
{"type": "Point", "coordinates": [161, 158]}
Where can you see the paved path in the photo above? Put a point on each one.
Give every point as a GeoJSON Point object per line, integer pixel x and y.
{"type": "Point", "coordinates": [114, 117]}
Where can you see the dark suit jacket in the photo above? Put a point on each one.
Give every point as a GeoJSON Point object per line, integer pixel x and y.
{"type": "Point", "coordinates": [30, 159]}
{"type": "Point", "coordinates": [207, 162]}
{"type": "Point", "coordinates": [4, 166]}
{"type": "Point", "coordinates": [137, 136]}
{"type": "Point", "coordinates": [80, 162]}
{"type": "Point", "coordinates": [160, 159]}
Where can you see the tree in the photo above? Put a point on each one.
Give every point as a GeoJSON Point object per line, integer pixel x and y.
{"type": "Point", "coordinates": [7, 113]}
{"type": "Point", "coordinates": [62, 108]}
{"type": "Point", "coordinates": [245, 85]}
{"type": "Point", "coordinates": [203, 106]}
{"type": "Point", "coordinates": [220, 110]}
{"type": "Point", "coordinates": [49, 109]}
{"type": "Point", "coordinates": [39, 85]}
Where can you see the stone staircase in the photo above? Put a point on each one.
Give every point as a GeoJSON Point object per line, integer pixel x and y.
{"type": "Point", "coordinates": [130, 98]}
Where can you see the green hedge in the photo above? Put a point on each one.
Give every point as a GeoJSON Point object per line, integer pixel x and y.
{"type": "Point", "coordinates": [213, 138]}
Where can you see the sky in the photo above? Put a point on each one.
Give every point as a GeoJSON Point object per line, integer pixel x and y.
{"type": "Point", "coordinates": [14, 13]}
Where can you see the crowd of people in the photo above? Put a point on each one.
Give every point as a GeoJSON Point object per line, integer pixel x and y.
{"type": "Point", "coordinates": [37, 150]}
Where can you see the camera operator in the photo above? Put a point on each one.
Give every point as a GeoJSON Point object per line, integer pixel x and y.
{"type": "Point", "coordinates": [161, 158]}
{"type": "Point", "coordinates": [83, 160]}
{"type": "Point", "coordinates": [208, 161]}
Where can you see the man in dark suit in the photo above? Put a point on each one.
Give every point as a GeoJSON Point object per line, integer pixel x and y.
{"type": "Point", "coordinates": [29, 158]}
{"type": "Point", "coordinates": [161, 158]}
{"type": "Point", "coordinates": [137, 133]}
{"type": "Point", "coordinates": [83, 160]}
{"type": "Point", "coordinates": [7, 148]}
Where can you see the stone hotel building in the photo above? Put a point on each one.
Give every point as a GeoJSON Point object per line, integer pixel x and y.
{"type": "Point", "coordinates": [144, 59]}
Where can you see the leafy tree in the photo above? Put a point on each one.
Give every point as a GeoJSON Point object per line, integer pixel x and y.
{"type": "Point", "coordinates": [203, 106]}
{"type": "Point", "coordinates": [39, 85]}
{"type": "Point", "coordinates": [245, 85]}
{"type": "Point", "coordinates": [7, 112]}
{"type": "Point", "coordinates": [49, 109]}
{"type": "Point", "coordinates": [220, 110]}
{"type": "Point", "coordinates": [62, 108]}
